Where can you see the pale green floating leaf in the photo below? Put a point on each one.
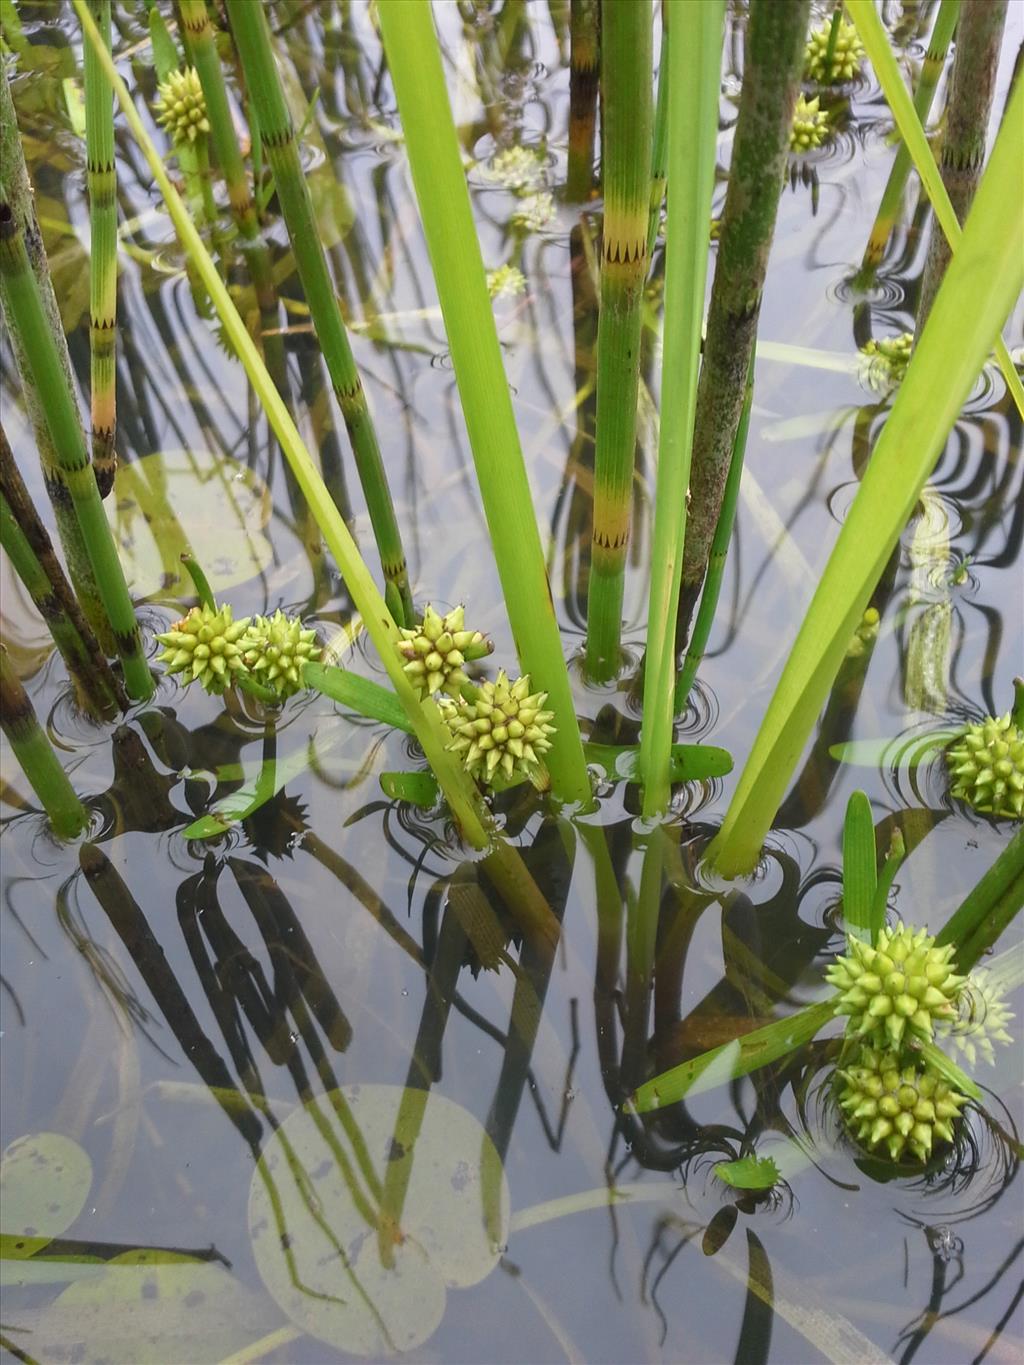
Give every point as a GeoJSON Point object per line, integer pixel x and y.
{"type": "Point", "coordinates": [418, 788]}
{"type": "Point", "coordinates": [316, 1246]}
{"type": "Point", "coordinates": [45, 1180]}
{"type": "Point", "coordinates": [177, 500]}
{"type": "Point", "coordinates": [148, 1307]}
{"type": "Point", "coordinates": [749, 1172]}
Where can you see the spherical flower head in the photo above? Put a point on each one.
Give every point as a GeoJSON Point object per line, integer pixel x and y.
{"type": "Point", "coordinates": [887, 359]}
{"type": "Point", "coordinates": [847, 55]}
{"type": "Point", "coordinates": [534, 212]}
{"type": "Point", "coordinates": [901, 986]}
{"type": "Point", "coordinates": [516, 168]}
{"type": "Point", "coordinates": [205, 645]}
{"type": "Point", "coordinates": [898, 1106]}
{"type": "Point", "coordinates": [507, 280]}
{"type": "Point", "coordinates": [982, 1019]}
{"type": "Point", "coordinates": [436, 650]}
{"type": "Point", "coordinates": [986, 767]}
{"type": "Point", "coordinates": [181, 106]}
{"type": "Point", "coordinates": [503, 731]}
{"type": "Point", "coordinates": [276, 649]}
{"type": "Point", "coordinates": [809, 128]}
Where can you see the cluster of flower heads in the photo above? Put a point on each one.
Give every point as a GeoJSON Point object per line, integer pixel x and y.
{"type": "Point", "coordinates": [986, 767]}
{"type": "Point", "coordinates": [847, 54]}
{"type": "Point", "coordinates": [211, 648]}
{"type": "Point", "coordinates": [887, 360]}
{"type": "Point", "coordinates": [499, 729]}
{"type": "Point", "coordinates": [810, 126]}
{"type": "Point", "coordinates": [181, 106]}
{"type": "Point", "coordinates": [898, 994]}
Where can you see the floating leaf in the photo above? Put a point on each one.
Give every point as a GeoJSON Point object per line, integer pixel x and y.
{"type": "Point", "coordinates": [313, 1215]}
{"type": "Point", "coordinates": [892, 753]}
{"type": "Point", "coordinates": [147, 1307]}
{"type": "Point", "coordinates": [687, 762]}
{"type": "Point", "coordinates": [45, 1180]}
{"type": "Point", "coordinates": [419, 789]}
{"type": "Point", "coordinates": [220, 509]}
{"type": "Point", "coordinates": [749, 1172]}
{"type": "Point", "coordinates": [358, 694]}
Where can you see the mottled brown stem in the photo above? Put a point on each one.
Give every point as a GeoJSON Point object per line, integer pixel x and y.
{"type": "Point", "coordinates": [971, 89]}
{"type": "Point", "coordinates": [584, 63]}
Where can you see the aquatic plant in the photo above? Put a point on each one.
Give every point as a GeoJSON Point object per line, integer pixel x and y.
{"type": "Point", "coordinates": [205, 645]}
{"type": "Point", "coordinates": [905, 1107]}
{"type": "Point", "coordinates": [436, 649]}
{"type": "Point", "coordinates": [102, 177]}
{"type": "Point", "coordinates": [986, 766]}
{"type": "Point", "coordinates": [833, 53]}
{"type": "Point", "coordinates": [982, 1020]}
{"type": "Point", "coordinates": [276, 649]}
{"type": "Point", "coordinates": [504, 730]}
{"type": "Point", "coordinates": [888, 358]}
{"type": "Point", "coordinates": [810, 126]}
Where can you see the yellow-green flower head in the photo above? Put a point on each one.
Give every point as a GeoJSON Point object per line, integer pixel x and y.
{"type": "Point", "coordinates": [809, 128]}
{"type": "Point", "coordinates": [904, 984]}
{"type": "Point", "coordinates": [534, 212]}
{"type": "Point", "coordinates": [506, 280]}
{"type": "Point", "coordinates": [276, 649]}
{"type": "Point", "coordinates": [865, 634]}
{"type": "Point", "coordinates": [896, 1105]}
{"type": "Point", "coordinates": [181, 107]}
{"type": "Point", "coordinates": [888, 359]}
{"type": "Point", "coordinates": [205, 646]}
{"type": "Point", "coordinates": [516, 168]}
{"type": "Point", "coordinates": [982, 1020]}
{"type": "Point", "coordinates": [847, 55]}
{"type": "Point", "coordinates": [504, 730]}
{"type": "Point", "coordinates": [986, 767]}
{"type": "Point", "coordinates": [437, 648]}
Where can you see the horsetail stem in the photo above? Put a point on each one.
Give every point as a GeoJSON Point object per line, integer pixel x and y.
{"type": "Point", "coordinates": [71, 472]}
{"type": "Point", "coordinates": [969, 103]}
{"type": "Point", "coordinates": [626, 55]}
{"type": "Point", "coordinates": [16, 191]}
{"type": "Point", "coordinates": [36, 755]}
{"type": "Point", "coordinates": [102, 183]}
{"type": "Point", "coordinates": [28, 547]}
{"type": "Point", "coordinates": [775, 52]}
{"type": "Point", "coordinates": [584, 60]}
{"type": "Point", "coordinates": [252, 37]}
{"type": "Point", "coordinates": [924, 93]}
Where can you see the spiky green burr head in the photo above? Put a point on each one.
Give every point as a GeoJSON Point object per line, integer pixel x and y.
{"type": "Point", "coordinates": [205, 645]}
{"type": "Point", "coordinates": [276, 649]}
{"type": "Point", "coordinates": [888, 358]}
{"type": "Point", "coordinates": [847, 55]}
{"type": "Point", "coordinates": [809, 128]}
{"type": "Point", "coordinates": [896, 1105]}
{"type": "Point", "coordinates": [986, 767]}
{"type": "Point", "coordinates": [504, 730]}
{"type": "Point", "coordinates": [982, 1020]}
{"type": "Point", "coordinates": [436, 650]}
{"type": "Point", "coordinates": [181, 107]}
{"type": "Point", "coordinates": [900, 986]}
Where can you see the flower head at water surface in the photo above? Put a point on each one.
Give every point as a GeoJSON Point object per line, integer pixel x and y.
{"type": "Point", "coordinates": [534, 212]}
{"type": "Point", "coordinates": [436, 649]}
{"type": "Point", "coordinates": [519, 169]}
{"type": "Point", "coordinates": [847, 54]}
{"type": "Point", "coordinates": [503, 731]}
{"type": "Point", "coordinates": [181, 106]}
{"type": "Point", "coordinates": [902, 1106]}
{"type": "Point", "coordinates": [506, 281]}
{"type": "Point", "coordinates": [276, 649]}
{"type": "Point", "coordinates": [899, 987]}
{"type": "Point", "coordinates": [982, 1020]}
{"type": "Point", "coordinates": [206, 646]}
{"type": "Point", "coordinates": [887, 359]}
{"type": "Point", "coordinates": [986, 767]}
{"type": "Point", "coordinates": [810, 126]}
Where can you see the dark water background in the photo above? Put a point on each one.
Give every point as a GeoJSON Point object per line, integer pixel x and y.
{"type": "Point", "coordinates": [920, 1266]}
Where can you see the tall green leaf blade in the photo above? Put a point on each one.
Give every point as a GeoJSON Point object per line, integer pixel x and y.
{"type": "Point", "coordinates": [859, 870]}
{"type": "Point", "coordinates": [981, 285]}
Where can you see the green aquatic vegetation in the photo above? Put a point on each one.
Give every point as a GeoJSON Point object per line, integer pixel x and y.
{"type": "Point", "coordinates": [504, 730]}
{"type": "Point", "coordinates": [905, 1107]}
{"type": "Point", "coordinates": [35, 753]}
{"type": "Point", "coordinates": [982, 1019]}
{"type": "Point", "coordinates": [887, 360]}
{"type": "Point", "coordinates": [986, 766]}
{"type": "Point", "coordinates": [437, 648]}
{"type": "Point", "coordinates": [506, 281]}
{"type": "Point", "coordinates": [206, 645]}
{"type": "Point", "coordinates": [181, 106]}
{"type": "Point", "coordinates": [102, 176]}
{"type": "Point", "coordinates": [833, 53]}
{"type": "Point", "coordinates": [276, 650]}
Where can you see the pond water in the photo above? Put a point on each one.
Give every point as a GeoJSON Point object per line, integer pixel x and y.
{"type": "Point", "coordinates": [177, 1007]}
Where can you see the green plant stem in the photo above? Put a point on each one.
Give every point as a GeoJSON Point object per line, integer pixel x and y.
{"type": "Point", "coordinates": [196, 24]}
{"type": "Point", "coordinates": [988, 907]}
{"type": "Point", "coordinates": [461, 794]}
{"type": "Point", "coordinates": [71, 467]}
{"type": "Point", "coordinates": [16, 191]}
{"type": "Point", "coordinates": [924, 93]}
{"type": "Point", "coordinates": [440, 183]}
{"type": "Point", "coordinates": [252, 36]}
{"type": "Point", "coordinates": [584, 61]}
{"type": "Point", "coordinates": [659, 146]}
{"type": "Point", "coordinates": [28, 547]}
{"type": "Point", "coordinates": [980, 287]}
{"type": "Point", "coordinates": [971, 91]}
{"type": "Point", "coordinates": [876, 44]}
{"type": "Point", "coordinates": [626, 58]}
{"type": "Point", "coordinates": [102, 184]}
{"type": "Point", "coordinates": [698, 638]}
{"type": "Point", "coordinates": [36, 755]}
{"type": "Point", "coordinates": [692, 77]}
{"type": "Point", "coordinates": [775, 53]}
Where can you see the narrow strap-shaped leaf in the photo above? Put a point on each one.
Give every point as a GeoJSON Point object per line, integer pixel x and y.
{"type": "Point", "coordinates": [359, 694]}
{"type": "Point", "coordinates": [859, 871]}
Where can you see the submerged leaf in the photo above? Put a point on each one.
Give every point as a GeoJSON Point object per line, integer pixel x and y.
{"type": "Point", "coordinates": [314, 1215]}
{"type": "Point", "coordinates": [45, 1180]}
